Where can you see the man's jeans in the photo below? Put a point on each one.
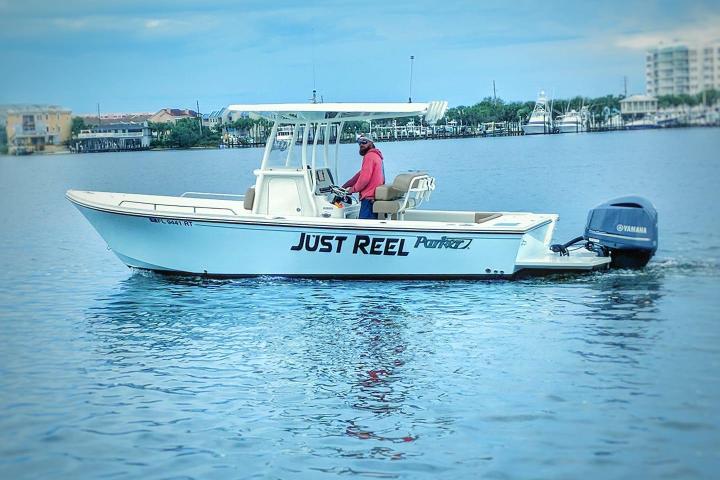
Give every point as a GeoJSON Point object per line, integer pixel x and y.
{"type": "Point", "coordinates": [366, 209]}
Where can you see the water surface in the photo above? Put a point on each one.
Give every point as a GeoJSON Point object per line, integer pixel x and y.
{"type": "Point", "coordinates": [110, 373]}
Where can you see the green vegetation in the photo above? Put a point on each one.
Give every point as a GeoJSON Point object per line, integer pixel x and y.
{"type": "Point", "coordinates": [78, 124]}
{"type": "Point", "coordinates": [707, 97]}
{"type": "Point", "coordinates": [489, 110]}
{"type": "Point", "coordinates": [3, 140]}
{"type": "Point", "coordinates": [184, 133]}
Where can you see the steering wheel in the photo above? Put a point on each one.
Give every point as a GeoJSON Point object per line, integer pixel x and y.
{"type": "Point", "coordinates": [339, 191]}
{"type": "Point", "coordinates": [341, 194]}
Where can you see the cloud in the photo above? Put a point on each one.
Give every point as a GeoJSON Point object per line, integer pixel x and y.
{"type": "Point", "coordinates": [64, 27]}
{"type": "Point", "coordinates": [153, 23]}
{"type": "Point", "coordinates": [706, 31]}
{"type": "Point", "coordinates": [72, 23]}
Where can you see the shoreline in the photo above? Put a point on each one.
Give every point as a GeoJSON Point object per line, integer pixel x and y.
{"type": "Point", "coordinates": [67, 151]}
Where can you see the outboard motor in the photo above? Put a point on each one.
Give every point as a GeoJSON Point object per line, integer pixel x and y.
{"type": "Point", "coordinates": [627, 228]}
{"type": "Point", "coordinates": [624, 229]}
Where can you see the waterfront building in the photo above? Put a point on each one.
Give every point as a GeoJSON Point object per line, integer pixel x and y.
{"type": "Point", "coordinates": [120, 117]}
{"type": "Point", "coordinates": [35, 128]}
{"type": "Point", "coordinates": [4, 113]}
{"type": "Point", "coordinates": [113, 137]}
{"type": "Point", "coordinates": [229, 117]}
{"type": "Point", "coordinates": [638, 105]}
{"type": "Point", "coordinates": [680, 68]}
{"type": "Point", "coordinates": [213, 119]}
{"type": "Point", "coordinates": [167, 115]}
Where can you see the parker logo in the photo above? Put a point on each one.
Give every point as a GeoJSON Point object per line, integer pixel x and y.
{"type": "Point", "coordinates": [454, 243]}
{"type": "Point", "coordinates": [631, 228]}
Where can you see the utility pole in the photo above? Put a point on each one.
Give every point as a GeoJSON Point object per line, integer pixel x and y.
{"type": "Point", "coordinates": [197, 104]}
{"type": "Point", "coordinates": [625, 83]}
{"type": "Point", "coordinates": [494, 95]}
{"type": "Point", "coordinates": [98, 109]}
{"type": "Point", "coordinates": [412, 60]}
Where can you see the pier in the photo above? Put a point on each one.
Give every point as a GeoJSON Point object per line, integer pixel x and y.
{"type": "Point", "coordinates": [112, 137]}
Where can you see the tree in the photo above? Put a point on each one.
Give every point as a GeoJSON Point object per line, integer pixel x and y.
{"type": "Point", "coordinates": [160, 132]}
{"type": "Point", "coordinates": [243, 124]}
{"type": "Point", "coordinates": [3, 140]}
{"type": "Point", "coordinates": [78, 123]}
{"type": "Point", "coordinates": [710, 97]}
{"type": "Point", "coordinates": [185, 133]}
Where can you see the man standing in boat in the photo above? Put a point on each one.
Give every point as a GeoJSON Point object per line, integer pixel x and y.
{"type": "Point", "coordinates": [370, 176]}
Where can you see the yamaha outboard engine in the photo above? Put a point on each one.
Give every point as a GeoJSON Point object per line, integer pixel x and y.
{"type": "Point", "coordinates": [626, 227]}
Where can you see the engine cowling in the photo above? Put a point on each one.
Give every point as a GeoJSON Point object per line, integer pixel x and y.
{"type": "Point", "coordinates": [627, 228]}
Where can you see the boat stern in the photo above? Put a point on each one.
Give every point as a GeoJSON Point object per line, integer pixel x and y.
{"type": "Point", "coordinates": [535, 257]}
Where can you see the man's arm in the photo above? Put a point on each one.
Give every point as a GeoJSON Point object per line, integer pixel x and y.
{"type": "Point", "coordinates": [365, 173]}
{"type": "Point", "coordinates": [352, 181]}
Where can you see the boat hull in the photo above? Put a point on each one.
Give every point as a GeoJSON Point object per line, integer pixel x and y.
{"type": "Point", "coordinates": [535, 129]}
{"type": "Point", "coordinates": [225, 249]}
{"type": "Point", "coordinates": [570, 128]}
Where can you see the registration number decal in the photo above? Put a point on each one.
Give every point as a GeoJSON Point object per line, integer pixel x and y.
{"type": "Point", "coordinates": [171, 221]}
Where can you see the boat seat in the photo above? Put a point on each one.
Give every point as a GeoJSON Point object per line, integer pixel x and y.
{"type": "Point", "coordinates": [408, 190]}
{"type": "Point", "coordinates": [249, 198]}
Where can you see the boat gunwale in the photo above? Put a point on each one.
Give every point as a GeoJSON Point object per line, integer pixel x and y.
{"type": "Point", "coordinates": [285, 222]}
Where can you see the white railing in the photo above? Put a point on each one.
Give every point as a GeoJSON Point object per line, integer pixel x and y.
{"type": "Point", "coordinates": [421, 187]}
{"type": "Point", "coordinates": [155, 206]}
{"type": "Point", "coordinates": [83, 136]}
{"type": "Point", "coordinates": [211, 195]}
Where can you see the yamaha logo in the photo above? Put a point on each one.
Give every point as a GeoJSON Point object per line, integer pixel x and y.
{"type": "Point", "coordinates": [631, 228]}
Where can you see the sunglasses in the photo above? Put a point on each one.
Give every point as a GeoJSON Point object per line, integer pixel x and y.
{"type": "Point", "coordinates": [363, 142]}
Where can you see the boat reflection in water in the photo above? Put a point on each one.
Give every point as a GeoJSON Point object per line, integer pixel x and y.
{"type": "Point", "coordinates": [371, 371]}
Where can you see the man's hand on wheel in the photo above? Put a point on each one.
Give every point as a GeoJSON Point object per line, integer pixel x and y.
{"type": "Point", "coordinates": [341, 194]}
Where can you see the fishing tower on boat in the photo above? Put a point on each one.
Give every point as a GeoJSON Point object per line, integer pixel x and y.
{"type": "Point", "coordinates": [540, 120]}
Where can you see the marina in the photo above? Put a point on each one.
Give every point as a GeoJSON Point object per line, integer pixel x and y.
{"type": "Point", "coordinates": [29, 134]}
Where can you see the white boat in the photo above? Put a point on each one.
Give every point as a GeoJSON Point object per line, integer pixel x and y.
{"type": "Point", "coordinates": [642, 123]}
{"type": "Point", "coordinates": [284, 134]}
{"type": "Point", "coordinates": [295, 221]}
{"type": "Point", "coordinates": [540, 119]}
{"type": "Point", "coordinates": [571, 122]}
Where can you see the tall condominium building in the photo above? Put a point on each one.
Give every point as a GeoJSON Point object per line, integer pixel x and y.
{"type": "Point", "coordinates": [682, 69]}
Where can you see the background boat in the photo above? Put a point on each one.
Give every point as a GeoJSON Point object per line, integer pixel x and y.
{"type": "Point", "coordinates": [540, 120]}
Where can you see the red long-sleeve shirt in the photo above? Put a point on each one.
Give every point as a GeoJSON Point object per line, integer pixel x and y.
{"type": "Point", "coordinates": [369, 177]}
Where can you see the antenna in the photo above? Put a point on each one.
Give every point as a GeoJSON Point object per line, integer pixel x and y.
{"type": "Point", "coordinates": [625, 82]}
{"type": "Point", "coordinates": [312, 50]}
{"type": "Point", "coordinates": [412, 60]}
{"type": "Point", "coordinates": [313, 67]}
{"type": "Point", "coordinates": [98, 109]}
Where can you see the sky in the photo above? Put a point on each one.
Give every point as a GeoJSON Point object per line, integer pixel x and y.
{"type": "Point", "coordinates": [143, 55]}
